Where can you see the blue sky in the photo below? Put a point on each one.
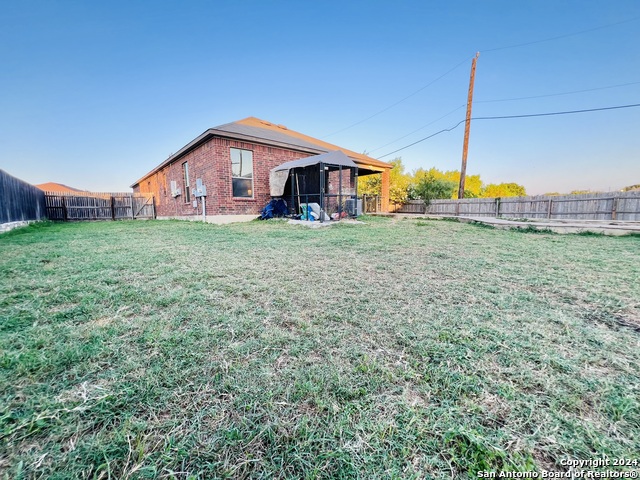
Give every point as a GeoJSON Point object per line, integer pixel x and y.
{"type": "Point", "coordinates": [96, 94]}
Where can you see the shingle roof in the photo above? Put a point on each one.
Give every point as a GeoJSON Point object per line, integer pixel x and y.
{"type": "Point", "coordinates": [56, 187]}
{"type": "Point", "coordinates": [262, 131]}
{"type": "Point", "coordinates": [251, 129]}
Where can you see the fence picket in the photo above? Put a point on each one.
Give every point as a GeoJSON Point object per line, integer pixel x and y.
{"type": "Point", "coordinates": [19, 200]}
{"type": "Point", "coordinates": [623, 206]}
{"type": "Point", "coordinates": [98, 206]}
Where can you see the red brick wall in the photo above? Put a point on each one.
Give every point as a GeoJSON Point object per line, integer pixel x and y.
{"type": "Point", "coordinates": [348, 183]}
{"type": "Point", "coordinates": [211, 162]}
{"type": "Point", "coordinates": [348, 188]}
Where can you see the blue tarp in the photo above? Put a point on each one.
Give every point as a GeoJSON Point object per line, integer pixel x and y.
{"type": "Point", "coordinates": [275, 208]}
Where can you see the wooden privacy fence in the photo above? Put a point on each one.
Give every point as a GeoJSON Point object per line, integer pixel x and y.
{"type": "Point", "coordinates": [19, 201]}
{"type": "Point", "coordinates": [99, 206]}
{"type": "Point", "coordinates": [590, 206]}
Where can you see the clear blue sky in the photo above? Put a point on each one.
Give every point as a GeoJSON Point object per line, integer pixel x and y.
{"type": "Point", "coordinates": [96, 94]}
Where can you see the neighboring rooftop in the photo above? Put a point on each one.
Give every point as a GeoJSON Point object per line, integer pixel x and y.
{"type": "Point", "coordinates": [255, 130]}
{"type": "Point", "coordinates": [57, 187]}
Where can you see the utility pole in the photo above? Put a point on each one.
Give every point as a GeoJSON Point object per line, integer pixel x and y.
{"type": "Point", "coordinates": [467, 126]}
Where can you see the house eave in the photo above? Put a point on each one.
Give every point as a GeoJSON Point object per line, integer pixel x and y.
{"type": "Point", "coordinates": [212, 133]}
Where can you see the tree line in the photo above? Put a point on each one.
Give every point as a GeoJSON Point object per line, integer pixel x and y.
{"type": "Point", "coordinates": [433, 184]}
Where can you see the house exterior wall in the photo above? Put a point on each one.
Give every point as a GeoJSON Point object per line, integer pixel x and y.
{"type": "Point", "coordinates": [348, 182]}
{"type": "Point", "coordinates": [211, 162]}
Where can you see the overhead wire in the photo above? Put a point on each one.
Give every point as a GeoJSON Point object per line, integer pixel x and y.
{"type": "Point", "coordinates": [500, 100]}
{"type": "Point", "coordinates": [567, 112]}
{"type": "Point", "coordinates": [399, 101]}
{"type": "Point", "coordinates": [417, 129]}
{"type": "Point", "coordinates": [558, 37]}
{"type": "Point", "coordinates": [502, 117]}
{"type": "Point", "coordinates": [489, 101]}
{"type": "Point", "coordinates": [556, 94]}
{"type": "Point", "coordinates": [423, 139]}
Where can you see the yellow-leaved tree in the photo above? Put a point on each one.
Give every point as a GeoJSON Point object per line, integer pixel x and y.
{"type": "Point", "coordinates": [494, 190]}
{"type": "Point", "coordinates": [399, 182]}
{"type": "Point", "coordinates": [431, 183]}
{"type": "Point", "coordinates": [473, 183]}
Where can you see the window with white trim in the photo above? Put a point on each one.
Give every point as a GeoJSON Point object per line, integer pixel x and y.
{"type": "Point", "coordinates": [242, 172]}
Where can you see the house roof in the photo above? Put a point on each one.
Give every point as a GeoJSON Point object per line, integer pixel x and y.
{"type": "Point", "coordinates": [255, 130]}
{"type": "Point", "coordinates": [297, 138]}
{"type": "Point", "coordinates": [56, 187]}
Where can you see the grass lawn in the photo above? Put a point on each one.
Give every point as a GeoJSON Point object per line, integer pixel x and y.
{"type": "Point", "coordinates": [394, 349]}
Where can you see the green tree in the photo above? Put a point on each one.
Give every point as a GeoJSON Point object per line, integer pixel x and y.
{"type": "Point", "coordinates": [399, 182]}
{"type": "Point", "coordinates": [472, 184]}
{"type": "Point", "coordinates": [581, 192]}
{"type": "Point", "coordinates": [494, 190]}
{"type": "Point", "coordinates": [424, 183]}
{"type": "Point", "coordinates": [430, 187]}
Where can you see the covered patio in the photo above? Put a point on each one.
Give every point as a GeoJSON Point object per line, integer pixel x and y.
{"type": "Point", "coordinates": [324, 186]}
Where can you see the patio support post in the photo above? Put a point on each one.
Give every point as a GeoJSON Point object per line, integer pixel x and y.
{"type": "Point", "coordinates": [321, 191]}
{"type": "Point", "coordinates": [384, 191]}
{"type": "Point", "coordinates": [355, 189]}
{"type": "Point", "coordinates": [340, 194]}
{"type": "Point", "coordinates": [291, 182]}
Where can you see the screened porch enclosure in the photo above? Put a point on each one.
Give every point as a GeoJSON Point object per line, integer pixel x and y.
{"type": "Point", "coordinates": [329, 180]}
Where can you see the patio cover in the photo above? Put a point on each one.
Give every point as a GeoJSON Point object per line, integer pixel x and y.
{"type": "Point", "coordinates": [278, 176]}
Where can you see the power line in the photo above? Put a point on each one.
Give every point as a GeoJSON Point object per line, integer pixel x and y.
{"type": "Point", "coordinates": [399, 101]}
{"type": "Point", "coordinates": [560, 36]}
{"type": "Point", "coordinates": [423, 139]}
{"type": "Point", "coordinates": [417, 129]}
{"type": "Point", "coordinates": [568, 112]}
{"type": "Point", "coordinates": [487, 50]}
{"type": "Point", "coordinates": [557, 94]}
{"type": "Point", "coordinates": [529, 115]}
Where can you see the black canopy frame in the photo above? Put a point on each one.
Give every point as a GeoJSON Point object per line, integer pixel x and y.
{"type": "Point", "coordinates": [316, 189]}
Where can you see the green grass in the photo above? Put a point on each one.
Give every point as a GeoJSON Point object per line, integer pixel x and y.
{"type": "Point", "coordinates": [394, 349]}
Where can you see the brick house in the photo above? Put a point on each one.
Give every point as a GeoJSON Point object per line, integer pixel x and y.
{"type": "Point", "coordinates": [233, 161]}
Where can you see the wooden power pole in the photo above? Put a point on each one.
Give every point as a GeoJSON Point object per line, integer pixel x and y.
{"type": "Point", "coordinates": [467, 126]}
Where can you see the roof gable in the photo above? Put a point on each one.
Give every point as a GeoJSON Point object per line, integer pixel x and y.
{"type": "Point", "coordinates": [265, 129]}
{"type": "Point", "coordinates": [253, 129]}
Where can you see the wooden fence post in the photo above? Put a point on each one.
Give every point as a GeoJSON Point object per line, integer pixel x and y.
{"type": "Point", "coordinates": [132, 216]}
{"type": "Point", "coordinates": [497, 206]}
{"type": "Point", "coordinates": [614, 208]}
{"type": "Point", "coordinates": [113, 208]}
{"type": "Point", "coordinates": [64, 209]}
{"type": "Point", "coordinates": [549, 208]}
